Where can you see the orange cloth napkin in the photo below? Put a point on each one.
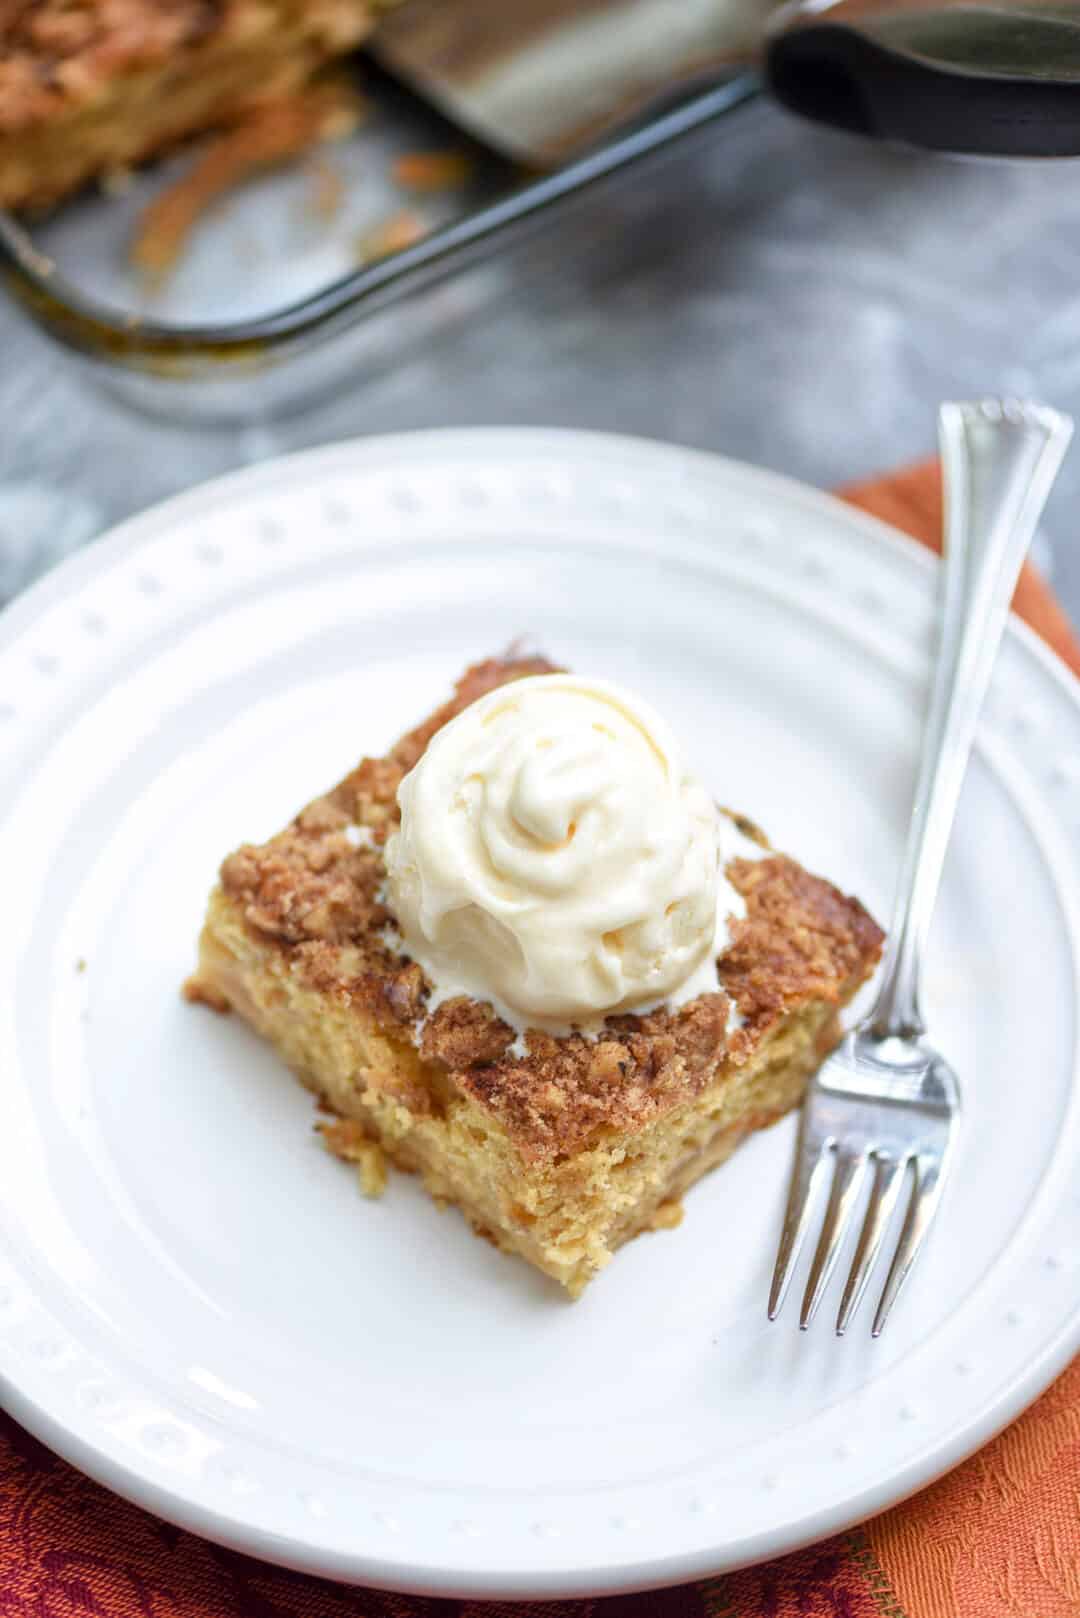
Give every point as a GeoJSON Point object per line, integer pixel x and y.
{"type": "Point", "coordinates": [997, 1538]}
{"type": "Point", "coordinates": [912, 500]}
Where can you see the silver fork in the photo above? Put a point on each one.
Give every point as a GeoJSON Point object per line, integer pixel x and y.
{"type": "Point", "coordinates": [886, 1102]}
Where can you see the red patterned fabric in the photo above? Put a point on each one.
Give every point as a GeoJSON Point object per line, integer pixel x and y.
{"type": "Point", "coordinates": [997, 1538]}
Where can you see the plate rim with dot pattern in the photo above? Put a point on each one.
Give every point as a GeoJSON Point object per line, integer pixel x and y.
{"type": "Point", "coordinates": [197, 1443]}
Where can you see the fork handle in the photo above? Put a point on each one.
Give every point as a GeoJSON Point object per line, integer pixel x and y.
{"type": "Point", "coordinates": [1000, 459]}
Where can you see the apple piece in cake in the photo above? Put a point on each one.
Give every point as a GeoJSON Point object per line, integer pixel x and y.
{"type": "Point", "coordinates": [558, 1149]}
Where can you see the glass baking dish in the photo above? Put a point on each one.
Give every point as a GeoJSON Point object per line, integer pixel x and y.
{"type": "Point", "coordinates": [269, 303]}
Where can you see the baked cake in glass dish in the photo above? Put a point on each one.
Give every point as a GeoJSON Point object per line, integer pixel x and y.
{"type": "Point", "coordinates": [525, 956]}
{"type": "Point", "coordinates": [89, 88]}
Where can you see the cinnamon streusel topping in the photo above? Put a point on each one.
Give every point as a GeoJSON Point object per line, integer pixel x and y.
{"type": "Point", "coordinates": [317, 896]}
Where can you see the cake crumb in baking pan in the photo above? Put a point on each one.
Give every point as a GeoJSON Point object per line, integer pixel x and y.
{"type": "Point", "coordinates": [391, 235]}
{"type": "Point", "coordinates": [431, 172]}
{"type": "Point", "coordinates": [269, 138]}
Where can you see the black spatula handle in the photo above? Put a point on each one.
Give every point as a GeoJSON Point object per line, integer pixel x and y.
{"type": "Point", "coordinates": [836, 73]}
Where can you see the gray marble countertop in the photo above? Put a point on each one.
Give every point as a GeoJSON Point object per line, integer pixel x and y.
{"type": "Point", "coordinates": [782, 294]}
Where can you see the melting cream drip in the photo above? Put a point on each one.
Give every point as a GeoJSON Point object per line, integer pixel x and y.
{"type": "Point", "coordinates": [556, 858]}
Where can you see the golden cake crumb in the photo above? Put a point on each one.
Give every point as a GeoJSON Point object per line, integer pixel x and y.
{"type": "Point", "coordinates": [346, 1139]}
{"type": "Point", "coordinates": [326, 188]}
{"type": "Point", "coordinates": [426, 172]}
{"type": "Point", "coordinates": [392, 235]}
{"type": "Point", "coordinates": [669, 1216]}
{"type": "Point", "coordinates": [197, 992]}
{"type": "Point", "coordinates": [371, 1169]}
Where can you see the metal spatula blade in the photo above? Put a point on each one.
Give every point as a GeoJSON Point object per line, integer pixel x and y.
{"type": "Point", "coordinates": [539, 80]}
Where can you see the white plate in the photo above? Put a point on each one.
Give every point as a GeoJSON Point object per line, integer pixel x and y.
{"type": "Point", "coordinates": [198, 1308]}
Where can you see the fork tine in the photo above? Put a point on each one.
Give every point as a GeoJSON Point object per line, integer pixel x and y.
{"type": "Point", "coordinates": [847, 1177]}
{"type": "Point", "coordinates": [888, 1178]}
{"type": "Point", "coordinates": [921, 1209]}
{"type": "Point", "coordinates": [806, 1175]}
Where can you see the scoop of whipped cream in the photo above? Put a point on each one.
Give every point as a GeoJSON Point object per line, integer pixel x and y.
{"type": "Point", "coordinates": [557, 859]}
